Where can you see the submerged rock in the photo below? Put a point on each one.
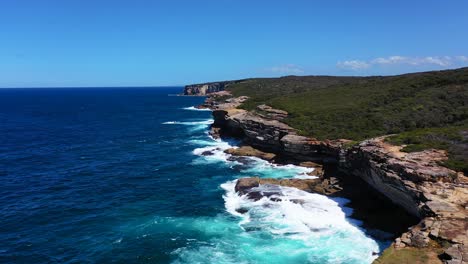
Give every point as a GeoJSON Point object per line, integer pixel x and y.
{"type": "Point", "coordinates": [207, 153]}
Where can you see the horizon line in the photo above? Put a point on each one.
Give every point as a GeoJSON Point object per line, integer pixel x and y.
{"type": "Point", "coordinates": [247, 78]}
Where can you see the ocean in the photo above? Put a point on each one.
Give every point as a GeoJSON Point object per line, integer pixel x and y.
{"type": "Point", "coordinates": [119, 175]}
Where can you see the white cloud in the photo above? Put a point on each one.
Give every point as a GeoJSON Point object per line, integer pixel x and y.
{"type": "Point", "coordinates": [353, 64]}
{"type": "Point", "coordinates": [389, 60]}
{"type": "Point", "coordinates": [286, 69]}
{"type": "Point", "coordinates": [442, 61]}
{"type": "Point", "coordinates": [462, 58]}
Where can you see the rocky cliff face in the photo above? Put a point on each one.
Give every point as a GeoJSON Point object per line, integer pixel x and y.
{"type": "Point", "coordinates": [405, 178]}
{"type": "Point", "coordinates": [425, 189]}
{"type": "Point", "coordinates": [414, 181]}
{"type": "Point", "coordinates": [206, 88]}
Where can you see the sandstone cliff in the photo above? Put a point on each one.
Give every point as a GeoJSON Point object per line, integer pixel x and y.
{"type": "Point", "coordinates": [416, 182]}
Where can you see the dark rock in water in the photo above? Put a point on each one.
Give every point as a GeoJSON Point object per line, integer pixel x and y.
{"type": "Point", "coordinates": [243, 160]}
{"type": "Point", "coordinates": [238, 168]}
{"type": "Point", "coordinates": [242, 210]}
{"type": "Point", "coordinates": [317, 229]}
{"type": "Point", "coordinates": [245, 184]}
{"type": "Point", "coordinates": [265, 190]}
{"type": "Point", "coordinates": [210, 152]}
{"type": "Point", "coordinates": [244, 163]}
{"type": "Point", "coordinates": [275, 199]}
{"type": "Point", "coordinates": [249, 186]}
{"type": "Point", "coordinates": [255, 195]}
{"type": "Point", "coordinates": [298, 201]}
{"type": "Point", "coordinates": [252, 228]}
{"type": "Point", "coordinates": [273, 195]}
{"type": "Point", "coordinates": [291, 233]}
{"type": "Point", "coordinates": [207, 153]}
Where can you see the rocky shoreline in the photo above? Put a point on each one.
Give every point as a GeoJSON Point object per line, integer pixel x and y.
{"type": "Point", "coordinates": [415, 182]}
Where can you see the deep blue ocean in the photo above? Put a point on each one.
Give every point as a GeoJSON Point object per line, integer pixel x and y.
{"type": "Point", "coordinates": [120, 175]}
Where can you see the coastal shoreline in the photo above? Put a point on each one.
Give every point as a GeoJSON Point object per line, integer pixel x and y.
{"type": "Point", "coordinates": [419, 186]}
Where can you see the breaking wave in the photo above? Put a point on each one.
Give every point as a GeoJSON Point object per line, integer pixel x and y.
{"type": "Point", "coordinates": [195, 125]}
{"type": "Point", "coordinates": [193, 108]}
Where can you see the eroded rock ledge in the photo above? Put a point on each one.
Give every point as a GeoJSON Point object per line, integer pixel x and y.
{"type": "Point", "coordinates": [414, 181]}
{"type": "Point", "coordinates": [248, 151]}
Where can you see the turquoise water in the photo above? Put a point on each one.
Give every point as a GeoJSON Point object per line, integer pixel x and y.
{"type": "Point", "coordinates": [121, 175]}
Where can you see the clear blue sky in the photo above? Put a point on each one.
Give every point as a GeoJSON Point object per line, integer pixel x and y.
{"type": "Point", "coordinates": [174, 42]}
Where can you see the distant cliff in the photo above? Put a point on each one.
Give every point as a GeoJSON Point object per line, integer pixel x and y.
{"type": "Point", "coordinates": [207, 88]}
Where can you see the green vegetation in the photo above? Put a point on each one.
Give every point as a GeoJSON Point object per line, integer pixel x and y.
{"type": "Point", "coordinates": [432, 104]}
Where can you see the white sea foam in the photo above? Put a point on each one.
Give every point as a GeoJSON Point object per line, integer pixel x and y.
{"type": "Point", "coordinates": [193, 108]}
{"type": "Point", "coordinates": [203, 142]}
{"type": "Point", "coordinates": [195, 125]}
{"type": "Point", "coordinates": [297, 227]}
{"type": "Point", "coordinates": [214, 151]}
{"type": "Point", "coordinates": [189, 123]}
{"type": "Point", "coordinates": [298, 215]}
{"type": "Point", "coordinates": [265, 169]}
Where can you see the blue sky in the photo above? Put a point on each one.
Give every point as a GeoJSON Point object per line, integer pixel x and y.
{"type": "Point", "coordinates": [149, 43]}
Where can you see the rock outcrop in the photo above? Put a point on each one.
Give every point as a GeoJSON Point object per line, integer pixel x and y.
{"type": "Point", "coordinates": [248, 151]}
{"type": "Point", "coordinates": [247, 186]}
